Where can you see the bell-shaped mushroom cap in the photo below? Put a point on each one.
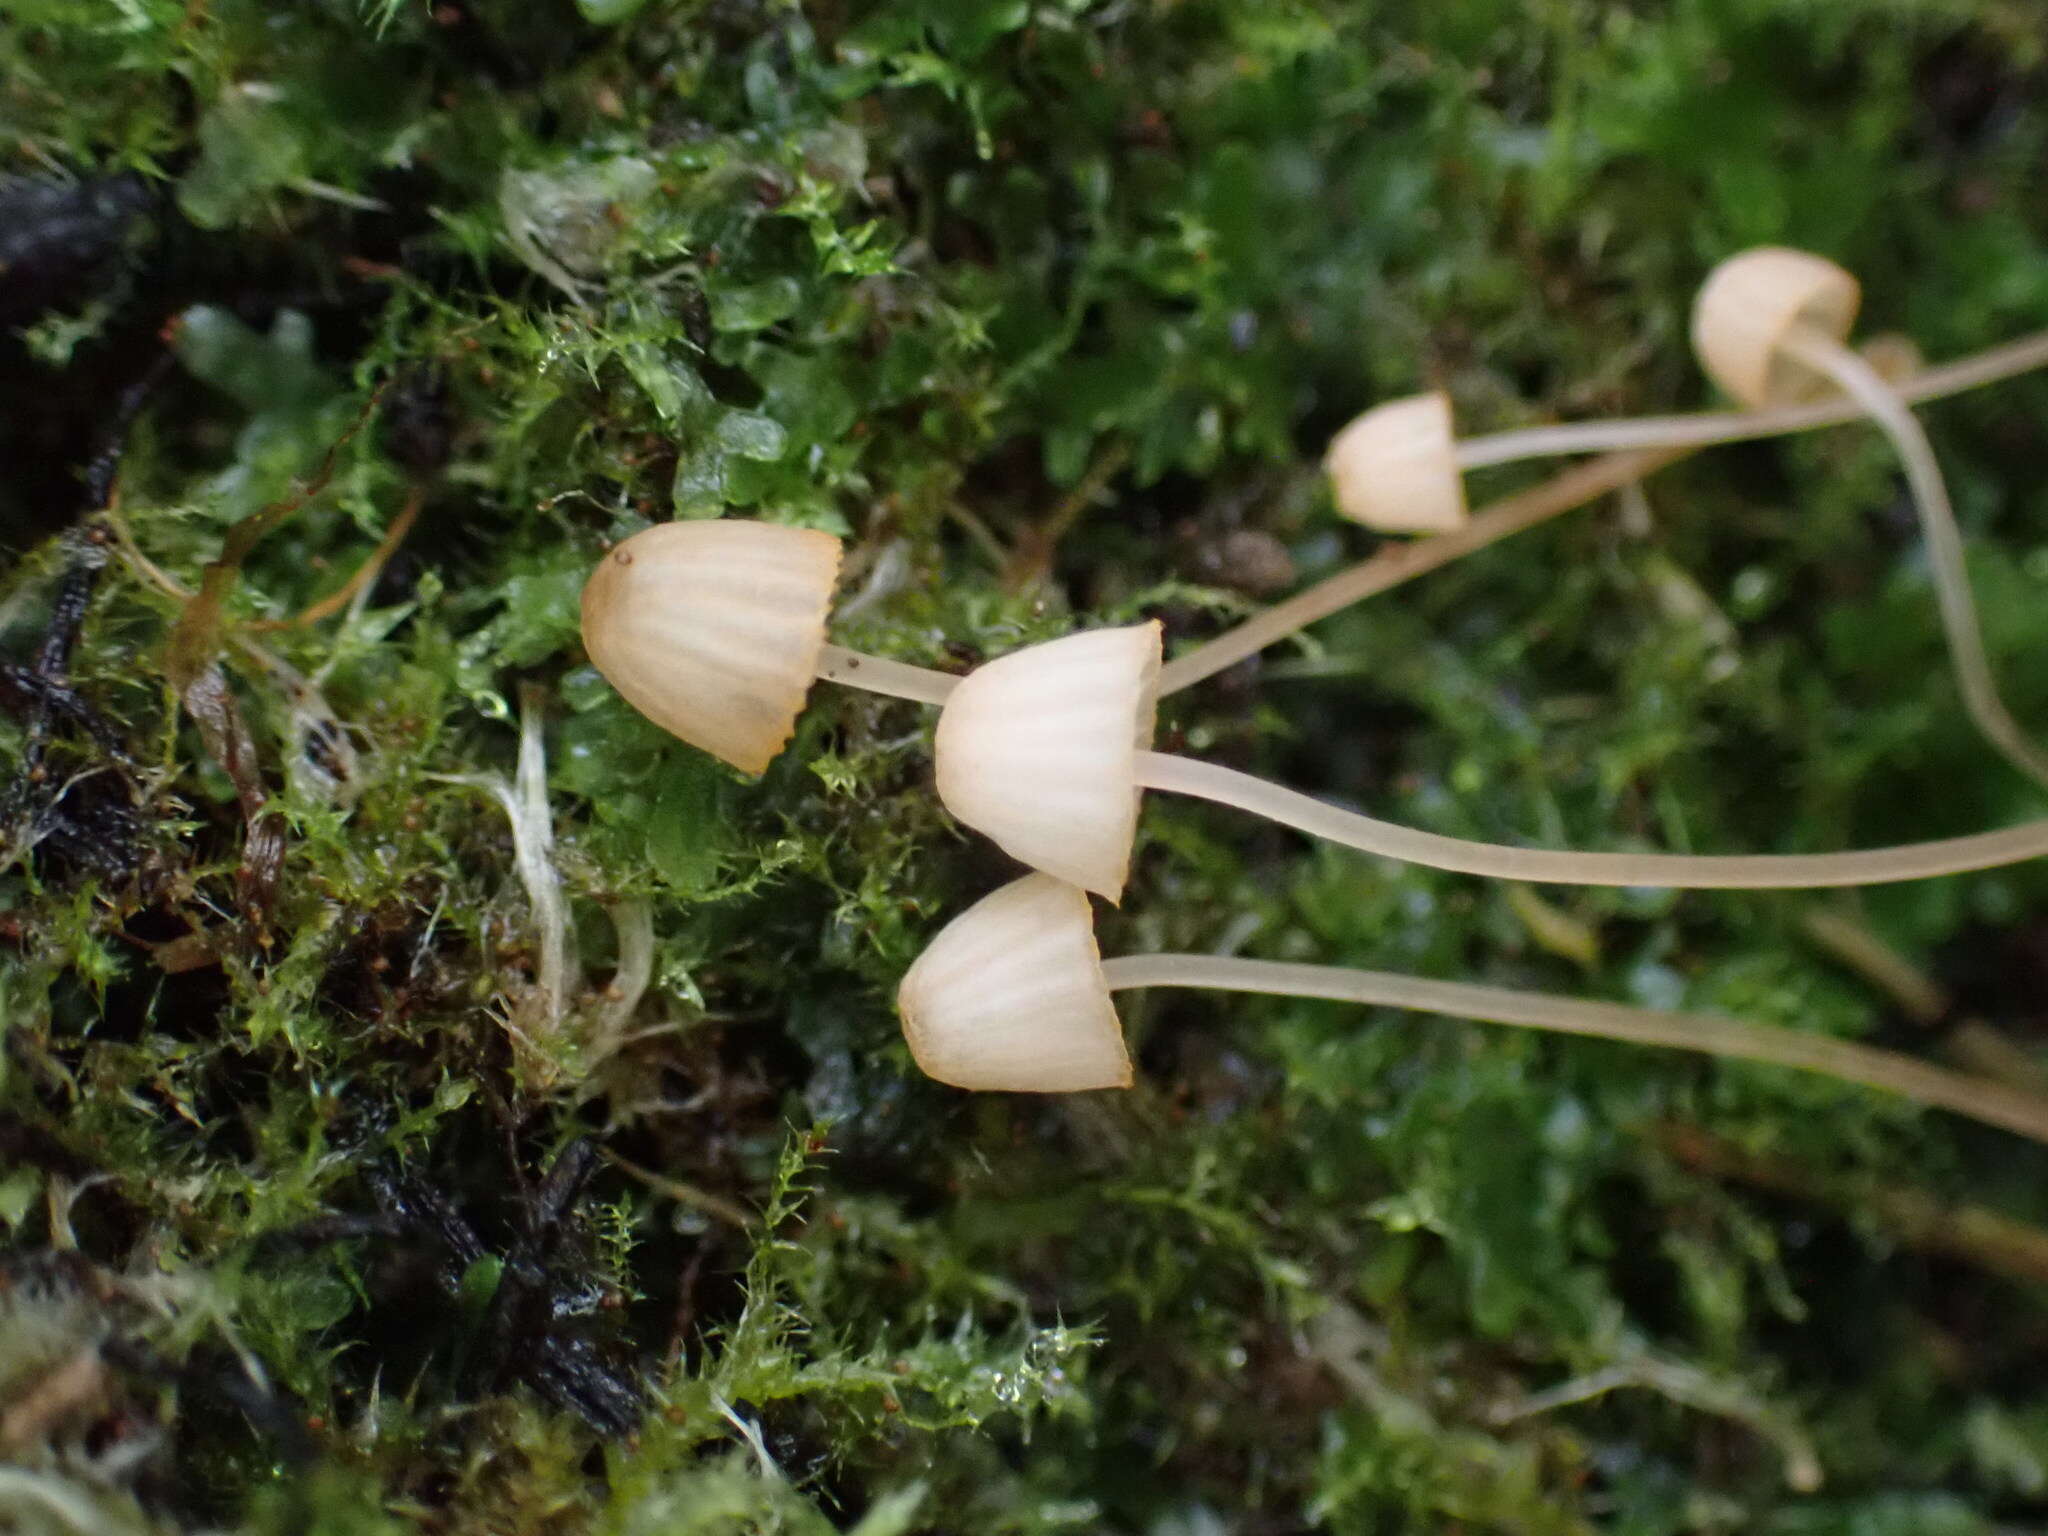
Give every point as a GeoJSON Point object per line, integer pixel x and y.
{"type": "Point", "coordinates": [1039, 749]}
{"type": "Point", "coordinates": [1747, 306]}
{"type": "Point", "coordinates": [1011, 996]}
{"type": "Point", "coordinates": [712, 630]}
{"type": "Point", "coordinates": [1396, 467]}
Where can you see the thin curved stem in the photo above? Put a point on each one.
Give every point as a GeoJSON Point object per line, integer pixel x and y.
{"type": "Point", "coordinates": [1705, 429]}
{"type": "Point", "coordinates": [1982, 1099]}
{"type": "Point", "coordinates": [1554, 866]}
{"type": "Point", "coordinates": [878, 674]}
{"type": "Point", "coordinates": [1549, 442]}
{"type": "Point", "coordinates": [1397, 563]}
{"type": "Point", "coordinates": [365, 574]}
{"type": "Point", "coordinates": [1938, 530]}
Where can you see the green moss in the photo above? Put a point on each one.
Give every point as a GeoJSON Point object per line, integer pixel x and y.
{"type": "Point", "coordinates": [917, 273]}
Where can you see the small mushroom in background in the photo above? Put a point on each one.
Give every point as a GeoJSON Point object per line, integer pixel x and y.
{"type": "Point", "coordinates": [1769, 326]}
{"type": "Point", "coordinates": [1014, 996]}
{"type": "Point", "coordinates": [1046, 750]}
{"type": "Point", "coordinates": [1396, 468]}
{"type": "Point", "coordinates": [1400, 467]}
{"type": "Point", "coordinates": [1751, 308]}
{"type": "Point", "coordinates": [1894, 356]}
{"type": "Point", "coordinates": [1629, 451]}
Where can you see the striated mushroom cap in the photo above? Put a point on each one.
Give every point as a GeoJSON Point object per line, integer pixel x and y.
{"type": "Point", "coordinates": [1395, 469]}
{"type": "Point", "coordinates": [1038, 750]}
{"type": "Point", "coordinates": [1747, 306]}
{"type": "Point", "coordinates": [1011, 996]}
{"type": "Point", "coordinates": [712, 630]}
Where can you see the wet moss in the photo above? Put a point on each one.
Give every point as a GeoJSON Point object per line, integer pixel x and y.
{"type": "Point", "coordinates": [393, 317]}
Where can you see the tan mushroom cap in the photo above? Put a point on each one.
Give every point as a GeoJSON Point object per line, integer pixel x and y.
{"type": "Point", "coordinates": [712, 630]}
{"type": "Point", "coordinates": [1039, 750]}
{"type": "Point", "coordinates": [1893, 356]}
{"type": "Point", "coordinates": [1396, 467]}
{"type": "Point", "coordinates": [1747, 306]}
{"type": "Point", "coordinates": [1011, 997]}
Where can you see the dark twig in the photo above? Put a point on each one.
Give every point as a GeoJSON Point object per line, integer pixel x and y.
{"type": "Point", "coordinates": [35, 800]}
{"type": "Point", "coordinates": [41, 690]}
{"type": "Point", "coordinates": [27, 691]}
{"type": "Point", "coordinates": [104, 467]}
{"type": "Point", "coordinates": [272, 1412]}
{"type": "Point", "coordinates": [522, 1336]}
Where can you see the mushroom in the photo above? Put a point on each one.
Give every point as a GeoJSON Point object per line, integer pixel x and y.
{"type": "Point", "coordinates": [1397, 468]}
{"type": "Point", "coordinates": [1769, 326]}
{"type": "Point", "coordinates": [1400, 467]}
{"type": "Point", "coordinates": [1894, 356]}
{"type": "Point", "coordinates": [1010, 996]}
{"type": "Point", "coordinates": [715, 630]}
{"type": "Point", "coordinates": [1013, 995]}
{"type": "Point", "coordinates": [1047, 749]}
{"type": "Point", "coordinates": [700, 584]}
{"type": "Point", "coordinates": [1633, 449]}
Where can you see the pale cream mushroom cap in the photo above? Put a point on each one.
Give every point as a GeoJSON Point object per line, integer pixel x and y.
{"type": "Point", "coordinates": [1396, 467]}
{"type": "Point", "coordinates": [1010, 996]}
{"type": "Point", "coordinates": [1039, 750]}
{"type": "Point", "coordinates": [1747, 306]}
{"type": "Point", "coordinates": [712, 630]}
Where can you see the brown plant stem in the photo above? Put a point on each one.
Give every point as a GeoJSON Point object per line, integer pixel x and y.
{"type": "Point", "coordinates": [1914, 1217]}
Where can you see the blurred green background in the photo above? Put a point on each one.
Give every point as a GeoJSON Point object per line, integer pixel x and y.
{"type": "Point", "coordinates": [284, 1080]}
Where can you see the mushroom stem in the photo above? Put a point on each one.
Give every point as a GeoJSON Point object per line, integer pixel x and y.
{"type": "Point", "coordinates": [1707, 429]}
{"type": "Point", "coordinates": [878, 674]}
{"type": "Point", "coordinates": [1394, 564]}
{"type": "Point", "coordinates": [1576, 486]}
{"type": "Point", "coordinates": [1982, 1099]}
{"type": "Point", "coordinates": [1552, 866]}
{"type": "Point", "coordinates": [1863, 385]}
